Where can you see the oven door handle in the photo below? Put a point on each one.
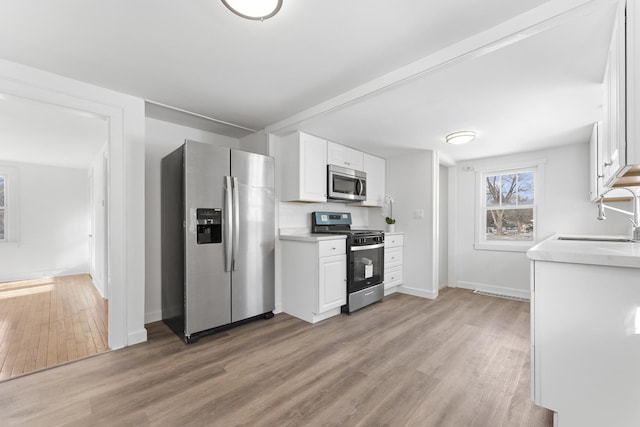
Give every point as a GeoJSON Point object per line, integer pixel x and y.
{"type": "Point", "coordinates": [367, 247]}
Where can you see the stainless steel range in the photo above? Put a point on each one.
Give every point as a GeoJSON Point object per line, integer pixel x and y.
{"type": "Point", "coordinates": [365, 258]}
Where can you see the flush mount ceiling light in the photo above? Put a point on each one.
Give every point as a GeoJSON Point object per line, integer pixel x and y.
{"type": "Point", "coordinates": [258, 10]}
{"type": "Point", "coordinates": [463, 137]}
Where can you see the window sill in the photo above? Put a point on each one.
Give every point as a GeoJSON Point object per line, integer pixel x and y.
{"type": "Point", "coordinates": [504, 247]}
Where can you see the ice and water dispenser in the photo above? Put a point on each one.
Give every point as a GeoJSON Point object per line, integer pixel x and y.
{"type": "Point", "coordinates": [209, 225]}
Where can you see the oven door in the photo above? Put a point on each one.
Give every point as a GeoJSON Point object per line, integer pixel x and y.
{"type": "Point", "coordinates": [366, 267]}
{"type": "Point", "coordinates": [346, 184]}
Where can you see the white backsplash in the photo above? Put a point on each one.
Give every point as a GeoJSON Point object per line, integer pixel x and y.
{"type": "Point", "coordinates": [298, 215]}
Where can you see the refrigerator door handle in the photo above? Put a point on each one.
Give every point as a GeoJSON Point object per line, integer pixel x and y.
{"type": "Point", "coordinates": [228, 223]}
{"type": "Point", "coordinates": [236, 222]}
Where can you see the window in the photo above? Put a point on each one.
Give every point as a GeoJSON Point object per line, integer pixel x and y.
{"type": "Point", "coordinates": [3, 206]}
{"type": "Point", "coordinates": [8, 206]}
{"type": "Point", "coordinates": [507, 208]}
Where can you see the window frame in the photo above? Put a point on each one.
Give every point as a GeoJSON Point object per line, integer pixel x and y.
{"type": "Point", "coordinates": [481, 241]}
{"type": "Point", "coordinates": [10, 207]}
{"type": "Point", "coordinates": [3, 206]}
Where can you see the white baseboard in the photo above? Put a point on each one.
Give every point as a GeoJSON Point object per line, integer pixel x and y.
{"type": "Point", "coordinates": [98, 285]}
{"type": "Point", "coordinates": [518, 293]}
{"type": "Point", "coordinates": [390, 291]}
{"type": "Point", "coordinates": [137, 337]}
{"type": "Point", "coordinates": [278, 309]}
{"type": "Point", "coordinates": [41, 274]}
{"type": "Point", "coordinates": [417, 292]}
{"type": "Point", "coordinates": [152, 316]}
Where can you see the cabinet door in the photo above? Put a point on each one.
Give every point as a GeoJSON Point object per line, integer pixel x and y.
{"type": "Point", "coordinates": [344, 156]}
{"type": "Point", "coordinates": [313, 168]}
{"type": "Point", "coordinates": [614, 103]}
{"type": "Point", "coordinates": [375, 169]}
{"type": "Point", "coordinates": [355, 159]}
{"type": "Point", "coordinates": [595, 165]}
{"type": "Point", "coordinates": [332, 287]}
{"type": "Point", "coordinates": [337, 154]}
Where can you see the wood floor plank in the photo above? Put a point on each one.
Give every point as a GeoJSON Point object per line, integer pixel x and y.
{"type": "Point", "coordinates": [461, 360]}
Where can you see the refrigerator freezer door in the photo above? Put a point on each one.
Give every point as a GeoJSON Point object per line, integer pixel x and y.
{"type": "Point", "coordinates": [253, 287]}
{"type": "Point", "coordinates": [207, 284]}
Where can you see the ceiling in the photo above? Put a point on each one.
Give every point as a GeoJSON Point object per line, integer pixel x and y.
{"type": "Point", "coordinates": [385, 77]}
{"type": "Point", "coordinates": [40, 133]}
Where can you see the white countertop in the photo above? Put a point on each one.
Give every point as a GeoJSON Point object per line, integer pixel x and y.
{"type": "Point", "coordinates": [305, 236]}
{"type": "Point", "coordinates": [614, 254]}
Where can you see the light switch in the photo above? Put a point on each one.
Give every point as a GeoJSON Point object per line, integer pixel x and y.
{"type": "Point", "coordinates": [418, 214]}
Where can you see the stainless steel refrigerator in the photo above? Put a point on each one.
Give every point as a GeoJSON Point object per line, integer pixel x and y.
{"type": "Point", "coordinates": [218, 238]}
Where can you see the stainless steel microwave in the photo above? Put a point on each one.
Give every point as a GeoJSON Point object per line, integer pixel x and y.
{"type": "Point", "coordinates": [346, 184]}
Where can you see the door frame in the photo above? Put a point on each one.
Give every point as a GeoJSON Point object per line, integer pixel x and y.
{"type": "Point", "coordinates": [125, 271]}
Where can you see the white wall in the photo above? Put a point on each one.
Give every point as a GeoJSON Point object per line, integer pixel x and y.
{"type": "Point", "coordinates": [255, 143]}
{"type": "Point", "coordinates": [161, 139]}
{"type": "Point", "coordinates": [52, 221]}
{"type": "Point", "coordinates": [411, 181]}
{"type": "Point", "coordinates": [298, 215]}
{"type": "Point", "coordinates": [563, 207]}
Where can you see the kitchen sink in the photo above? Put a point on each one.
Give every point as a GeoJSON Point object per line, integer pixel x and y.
{"type": "Point", "coordinates": [595, 239]}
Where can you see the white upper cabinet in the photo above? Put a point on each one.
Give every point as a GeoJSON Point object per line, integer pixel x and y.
{"type": "Point", "coordinates": [303, 166]}
{"type": "Point", "coordinates": [375, 170]}
{"type": "Point", "coordinates": [302, 160]}
{"type": "Point", "coordinates": [344, 156]}
{"type": "Point", "coordinates": [619, 143]}
{"type": "Point", "coordinates": [613, 130]}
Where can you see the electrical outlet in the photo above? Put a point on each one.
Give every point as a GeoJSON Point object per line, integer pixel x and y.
{"type": "Point", "coordinates": [418, 214]}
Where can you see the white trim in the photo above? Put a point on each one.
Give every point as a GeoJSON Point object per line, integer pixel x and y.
{"type": "Point", "coordinates": [504, 246]}
{"type": "Point", "coordinates": [435, 222]}
{"type": "Point", "coordinates": [152, 316]}
{"type": "Point", "coordinates": [453, 225]}
{"type": "Point", "coordinates": [403, 289]}
{"type": "Point", "coordinates": [390, 291]}
{"type": "Point", "coordinates": [137, 336]}
{"type": "Point", "coordinates": [518, 293]}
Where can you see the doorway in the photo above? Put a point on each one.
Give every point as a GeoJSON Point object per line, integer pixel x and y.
{"type": "Point", "coordinates": [53, 311]}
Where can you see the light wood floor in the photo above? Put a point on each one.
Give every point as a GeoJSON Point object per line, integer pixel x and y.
{"type": "Point", "coordinates": [47, 322]}
{"type": "Point", "coordinates": [462, 360]}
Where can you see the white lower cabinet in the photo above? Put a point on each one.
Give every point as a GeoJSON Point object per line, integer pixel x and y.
{"type": "Point", "coordinates": [585, 324]}
{"type": "Point", "coordinates": [393, 254]}
{"type": "Point", "coordinates": [314, 276]}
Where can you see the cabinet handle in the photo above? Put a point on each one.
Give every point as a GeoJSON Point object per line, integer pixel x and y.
{"type": "Point", "coordinates": [333, 249]}
{"type": "Point", "coordinates": [607, 164]}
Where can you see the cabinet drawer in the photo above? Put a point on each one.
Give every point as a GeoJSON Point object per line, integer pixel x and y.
{"type": "Point", "coordinates": [332, 247]}
{"type": "Point", "coordinates": [393, 240]}
{"type": "Point", "coordinates": [392, 257]}
{"type": "Point", "coordinates": [392, 277]}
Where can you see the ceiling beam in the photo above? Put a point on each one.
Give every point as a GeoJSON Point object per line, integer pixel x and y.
{"type": "Point", "coordinates": [521, 27]}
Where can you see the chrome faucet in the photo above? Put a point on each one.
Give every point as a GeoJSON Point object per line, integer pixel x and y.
{"type": "Point", "coordinates": [635, 215]}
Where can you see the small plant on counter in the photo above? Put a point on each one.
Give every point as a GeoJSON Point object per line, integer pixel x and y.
{"type": "Point", "coordinates": [388, 201]}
